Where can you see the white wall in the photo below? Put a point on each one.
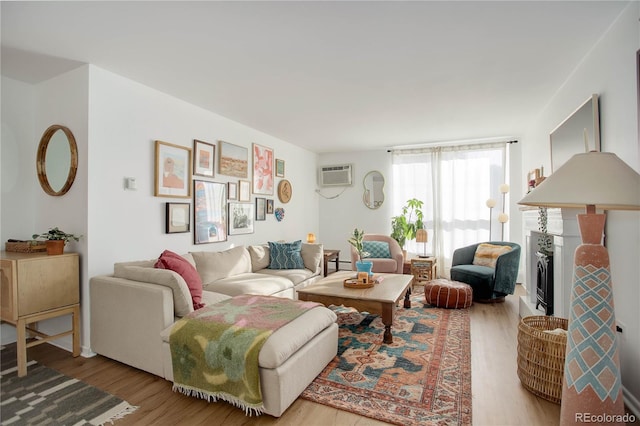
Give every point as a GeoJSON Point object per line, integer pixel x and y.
{"type": "Point", "coordinates": [115, 122]}
{"type": "Point", "coordinates": [27, 112]}
{"type": "Point", "coordinates": [610, 71]}
{"type": "Point", "coordinates": [340, 215]}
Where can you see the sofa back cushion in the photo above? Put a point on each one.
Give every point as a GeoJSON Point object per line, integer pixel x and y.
{"type": "Point", "coordinates": [487, 254]}
{"type": "Point", "coordinates": [144, 271]}
{"type": "Point", "coordinates": [215, 265]}
{"type": "Point", "coordinates": [312, 257]}
{"type": "Point", "coordinates": [259, 257]}
{"type": "Point", "coordinates": [285, 255]}
{"type": "Point", "coordinates": [180, 265]}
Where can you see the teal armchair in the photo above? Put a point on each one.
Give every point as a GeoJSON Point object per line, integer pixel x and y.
{"type": "Point", "coordinates": [488, 284]}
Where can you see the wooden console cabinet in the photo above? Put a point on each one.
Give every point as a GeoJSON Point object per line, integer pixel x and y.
{"type": "Point", "coordinates": [35, 287]}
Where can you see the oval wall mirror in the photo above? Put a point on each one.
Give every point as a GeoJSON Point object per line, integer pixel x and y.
{"type": "Point", "coordinates": [57, 160]}
{"type": "Point", "coordinates": [373, 196]}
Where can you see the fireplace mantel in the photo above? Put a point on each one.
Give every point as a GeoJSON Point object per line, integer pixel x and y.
{"type": "Point", "coordinates": [562, 225]}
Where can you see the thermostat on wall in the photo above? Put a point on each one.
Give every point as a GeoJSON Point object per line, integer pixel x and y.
{"type": "Point", "coordinates": [130, 183]}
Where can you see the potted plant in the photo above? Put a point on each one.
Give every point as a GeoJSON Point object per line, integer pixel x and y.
{"type": "Point", "coordinates": [404, 226]}
{"type": "Point", "coordinates": [56, 239]}
{"type": "Point", "coordinates": [356, 240]}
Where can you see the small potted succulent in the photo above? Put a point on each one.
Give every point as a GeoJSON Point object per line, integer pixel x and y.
{"type": "Point", "coordinates": [56, 240]}
{"type": "Point", "coordinates": [356, 240]}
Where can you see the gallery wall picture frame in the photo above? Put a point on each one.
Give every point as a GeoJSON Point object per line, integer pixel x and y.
{"type": "Point", "coordinates": [172, 170]}
{"type": "Point", "coordinates": [244, 194]}
{"type": "Point", "coordinates": [177, 218]}
{"type": "Point", "coordinates": [204, 155]}
{"type": "Point", "coordinates": [279, 168]}
{"type": "Point", "coordinates": [262, 170]}
{"type": "Point", "coordinates": [233, 160]}
{"type": "Point", "coordinates": [269, 206]}
{"type": "Point", "coordinates": [241, 218]}
{"type": "Point", "coordinates": [232, 191]}
{"type": "Point", "coordinates": [209, 212]}
{"type": "Point", "coordinates": [261, 208]}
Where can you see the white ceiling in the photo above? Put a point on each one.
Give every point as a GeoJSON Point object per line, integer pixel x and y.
{"type": "Point", "coordinates": [328, 76]}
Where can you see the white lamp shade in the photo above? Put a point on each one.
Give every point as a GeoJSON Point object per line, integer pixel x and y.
{"type": "Point", "coordinates": [503, 218]}
{"type": "Point", "coordinates": [594, 178]}
{"type": "Point", "coordinates": [504, 188]}
{"type": "Point", "coordinates": [491, 203]}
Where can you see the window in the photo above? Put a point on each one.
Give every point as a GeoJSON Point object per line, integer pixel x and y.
{"type": "Point", "coordinates": [455, 183]}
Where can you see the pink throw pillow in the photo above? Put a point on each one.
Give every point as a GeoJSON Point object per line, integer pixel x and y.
{"type": "Point", "coordinates": [175, 262]}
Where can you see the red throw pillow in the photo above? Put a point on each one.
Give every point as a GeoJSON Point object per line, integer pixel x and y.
{"type": "Point", "coordinates": [175, 262]}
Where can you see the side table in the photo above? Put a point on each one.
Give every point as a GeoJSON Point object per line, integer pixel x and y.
{"type": "Point", "coordinates": [424, 269]}
{"type": "Point", "coordinates": [330, 255]}
{"type": "Point", "coordinates": [36, 287]}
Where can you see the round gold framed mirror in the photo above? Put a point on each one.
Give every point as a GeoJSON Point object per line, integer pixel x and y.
{"type": "Point", "coordinates": [57, 160]}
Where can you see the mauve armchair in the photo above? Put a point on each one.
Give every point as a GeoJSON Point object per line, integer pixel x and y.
{"type": "Point", "coordinates": [488, 284]}
{"type": "Point", "coordinates": [393, 264]}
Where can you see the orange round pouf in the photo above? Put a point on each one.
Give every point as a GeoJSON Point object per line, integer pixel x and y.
{"type": "Point", "coordinates": [448, 294]}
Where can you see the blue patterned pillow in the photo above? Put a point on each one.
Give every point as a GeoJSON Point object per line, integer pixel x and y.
{"type": "Point", "coordinates": [285, 255]}
{"type": "Point", "coordinates": [377, 249]}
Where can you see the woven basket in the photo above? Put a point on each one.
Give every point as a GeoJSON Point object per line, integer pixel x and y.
{"type": "Point", "coordinates": [541, 356]}
{"type": "Point", "coordinates": [26, 246]}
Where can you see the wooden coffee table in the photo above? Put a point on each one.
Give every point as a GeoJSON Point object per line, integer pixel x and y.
{"type": "Point", "coordinates": [380, 299]}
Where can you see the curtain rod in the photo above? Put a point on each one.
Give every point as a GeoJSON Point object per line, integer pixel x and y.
{"type": "Point", "coordinates": [447, 144]}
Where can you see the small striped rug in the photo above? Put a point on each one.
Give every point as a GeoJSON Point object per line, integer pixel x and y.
{"type": "Point", "coordinates": [45, 396]}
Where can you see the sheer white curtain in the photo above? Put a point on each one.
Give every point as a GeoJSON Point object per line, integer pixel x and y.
{"type": "Point", "coordinates": [454, 182]}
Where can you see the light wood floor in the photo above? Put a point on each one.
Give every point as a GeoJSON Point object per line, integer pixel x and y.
{"type": "Point", "coordinates": [498, 397]}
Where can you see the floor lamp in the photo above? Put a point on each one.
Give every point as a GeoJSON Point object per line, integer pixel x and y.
{"type": "Point", "coordinates": [597, 180]}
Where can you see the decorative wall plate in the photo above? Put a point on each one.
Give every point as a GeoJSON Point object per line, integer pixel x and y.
{"type": "Point", "coordinates": [284, 191]}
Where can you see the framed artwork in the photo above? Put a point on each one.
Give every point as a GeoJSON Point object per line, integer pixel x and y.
{"type": "Point", "coordinates": [269, 206]}
{"type": "Point", "coordinates": [210, 212]}
{"type": "Point", "coordinates": [284, 191]}
{"type": "Point", "coordinates": [261, 208]}
{"type": "Point", "coordinates": [232, 191]}
{"type": "Point", "coordinates": [240, 218]}
{"type": "Point", "coordinates": [245, 191]}
{"type": "Point", "coordinates": [173, 171]}
{"type": "Point", "coordinates": [279, 167]}
{"type": "Point", "coordinates": [204, 155]}
{"type": "Point", "coordinates": [177, 217]}
{"type": "Point", "coordinates": [262, 170]}
{"type": "Point", "coordinates": [233, 160]}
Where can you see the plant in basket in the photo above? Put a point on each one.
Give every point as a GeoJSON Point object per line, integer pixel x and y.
{"type": "Point", "coordinates": [56, 239]}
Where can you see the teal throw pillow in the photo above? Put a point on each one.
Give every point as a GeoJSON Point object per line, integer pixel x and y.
{"type": "Point", "coordinates": [377, 249]}
{"type": "Point", "coordinates": [285, 255]}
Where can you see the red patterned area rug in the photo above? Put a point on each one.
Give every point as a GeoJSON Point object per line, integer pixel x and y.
{"type": "Point", "coordinates": [422, 378]}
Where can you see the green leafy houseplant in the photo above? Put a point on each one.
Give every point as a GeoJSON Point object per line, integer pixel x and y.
{"type": "Point", "coordinates": [356, 241]}
{"type": "Point", "coordinates": [56, 234]}
{"type": "Point", "coordinates": [404, 226]}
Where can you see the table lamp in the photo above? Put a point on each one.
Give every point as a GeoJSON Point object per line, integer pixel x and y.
{"type": "Point", "coordinates": [597, 180]}
{"type": "Point", "coordinates": [422, 237]}
{"type": "Point", "coordinates": [311, 238]}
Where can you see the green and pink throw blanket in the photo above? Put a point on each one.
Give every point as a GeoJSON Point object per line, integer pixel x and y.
{"type": "Point", "coordinates": [215, 349]}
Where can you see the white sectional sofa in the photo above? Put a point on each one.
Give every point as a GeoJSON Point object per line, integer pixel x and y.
{"type": "Point", "coordinates": [133, 310]}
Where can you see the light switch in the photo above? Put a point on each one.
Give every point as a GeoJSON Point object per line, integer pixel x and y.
{"type": "Point", "coordinates": [130, 183]}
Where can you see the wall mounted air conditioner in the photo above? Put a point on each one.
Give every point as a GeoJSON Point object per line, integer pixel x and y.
{"type": "Point", "coordinates": [340, 175]}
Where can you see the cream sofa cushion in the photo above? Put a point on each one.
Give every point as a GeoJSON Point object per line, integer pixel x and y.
{"type": "Point", "coordinates": [312, 256]}
{"type": "Point", "coordinates": [250, 283]}
{"type": "Point", "coordinates": [182, 303]}
{"type": "Point", "coordinates": [294, 275]}
{"type": "Point", "coordinates": [215, 265]}
{"type": "Point", "coordinates": [259, 257]}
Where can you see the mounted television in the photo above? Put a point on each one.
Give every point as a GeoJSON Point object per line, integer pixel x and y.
{"type": "Point", "coordinates": [579, 133]}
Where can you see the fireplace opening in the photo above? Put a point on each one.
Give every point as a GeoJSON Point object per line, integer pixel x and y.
{"type": "Point", "coordinates": [544, 282]}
